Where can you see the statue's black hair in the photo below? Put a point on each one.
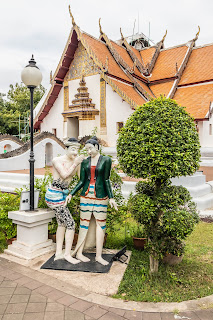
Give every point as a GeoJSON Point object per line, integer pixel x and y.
{"type": "Point", "coordinates": [94, 141]}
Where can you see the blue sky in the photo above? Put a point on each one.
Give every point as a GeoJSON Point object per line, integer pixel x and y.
{"type": "Point", "coordinates": [42, 27]}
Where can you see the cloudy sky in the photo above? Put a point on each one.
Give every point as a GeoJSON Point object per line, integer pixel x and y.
{"type": "Point", "coordinates": [42, 27]}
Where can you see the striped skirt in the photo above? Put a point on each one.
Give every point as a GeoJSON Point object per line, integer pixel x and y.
{"type": "Point", "coordinates": [90, 205]}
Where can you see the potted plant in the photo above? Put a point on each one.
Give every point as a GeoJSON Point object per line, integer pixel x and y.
{"type": "Point", "coordinates": [139, 237]}
{"type": "Point", "coordinates": [158, 142]}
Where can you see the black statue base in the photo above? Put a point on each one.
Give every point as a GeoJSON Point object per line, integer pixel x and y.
{"type": "Point", "coordinates": [91, 266]}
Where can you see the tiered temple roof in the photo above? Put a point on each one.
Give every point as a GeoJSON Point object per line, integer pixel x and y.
{"type": "Point", "coordinates": [184, 72]}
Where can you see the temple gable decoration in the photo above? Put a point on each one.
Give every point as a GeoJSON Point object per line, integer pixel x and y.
{"type": "Point", "coordinates": [82, 106]}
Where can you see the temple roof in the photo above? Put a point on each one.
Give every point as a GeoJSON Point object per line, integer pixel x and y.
{"type": "Point", "coordinates": [140, 75]}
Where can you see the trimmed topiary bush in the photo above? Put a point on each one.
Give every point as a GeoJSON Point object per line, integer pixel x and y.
{"type": "Point", "coordinates": [158, 142]}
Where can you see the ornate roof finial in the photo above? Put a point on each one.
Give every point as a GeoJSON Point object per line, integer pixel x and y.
{"type": "Point", "coordinates": [101, 31]}
{"type": "Point", "coordinates": [122, 37]}
{"type": "Point", "coordinates": [51, 76]}
{"type": "Point", "coordinates": [73, 21]}
{"type": "Point", "coordinates": [197, 34]}
{"type": "Point", "coordinates": [164, 36]}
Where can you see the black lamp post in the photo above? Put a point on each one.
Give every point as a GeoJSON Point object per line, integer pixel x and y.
{"type": "Point", "coordinates": [31, 77]}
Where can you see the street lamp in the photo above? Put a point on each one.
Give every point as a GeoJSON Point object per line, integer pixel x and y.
{"type": "Point", "coordinates": [31, 77]}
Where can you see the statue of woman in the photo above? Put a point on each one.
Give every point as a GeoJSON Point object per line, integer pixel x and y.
{"type": "Point", "coordinates": [95, 196]}
{"type": "Point", "coordinates": [64, 168]}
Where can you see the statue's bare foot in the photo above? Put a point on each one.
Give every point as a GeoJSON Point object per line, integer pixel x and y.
{"type": "Point", "coordinates": [102, 261]}
{"type": "Point", "coordinates": [58, 256]}
{"type": "Point", "coordinates": [71, 259]}
{"type": "Point", "coordinates": [82, 258]}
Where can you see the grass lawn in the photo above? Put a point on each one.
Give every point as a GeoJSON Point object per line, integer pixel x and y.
{"type": "Point", "coordinates": [191, 279]}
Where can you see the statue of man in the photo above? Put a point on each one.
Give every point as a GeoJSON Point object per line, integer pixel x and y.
{"type": "Point", "coordinates": [64, 168]}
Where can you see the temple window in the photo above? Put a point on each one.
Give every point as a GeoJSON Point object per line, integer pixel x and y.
{"type": "Point", "coordinates": [54, 131]}
{"type": "Point", "coordinates": [210, 129]}
{"type": "Point", "coordinates": [119, 126]}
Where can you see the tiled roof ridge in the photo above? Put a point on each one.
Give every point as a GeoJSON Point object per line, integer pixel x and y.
{"type": "Point", "coordinates": [183, 65]}
{"type": "Point", "coordinates": [159, 45]}
{"type": "Point", "coordinates": [133, 56]}
{"type": "Point", "coordinates": [119, 91]}
{"type": "Point", "coordinates": [203, 46]}
{"type": "Point", "coordinates": [128, 71]}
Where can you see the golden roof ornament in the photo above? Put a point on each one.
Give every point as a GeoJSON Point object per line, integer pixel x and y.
{"type": "Point", "coordinates": [197, 34]}
{"type": "Point", "coordinates": [73, 21]}
{"type": "Point", "coordinates": [101, 31]}
{"type": "Point", "coordinates": [164, 36]}
{"type": "Point", "coordinates": [122, 37]}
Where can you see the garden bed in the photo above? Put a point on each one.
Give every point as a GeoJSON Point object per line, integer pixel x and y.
{"type": "Point", "coordinates": [191, 279]}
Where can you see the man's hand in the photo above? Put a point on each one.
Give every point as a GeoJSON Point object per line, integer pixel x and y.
{"type": "Point", "coordinates": [79, 159]}
{"type": "Point", "coordinates": [68, 199]}
{"type": "Point", "coordinates": [113, 204]}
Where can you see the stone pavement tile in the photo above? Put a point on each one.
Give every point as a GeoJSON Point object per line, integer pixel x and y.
{"type": "Point", "coordinates": [88, 318]}
{"type": "Point", "coordinates": [133, 315]}
{"type": "Point", "coordinates": [22, 290]}
{"type": "Point", "coordinates": [111, 316]}
{"type": "Point", "coordinates": [37, 298]}
{"type": "Point", "coordinates": [18, 298]}
{"type": "Point", "coordinates": [34, 316]}
{"type": "Point", "coordinates": [15, 316]}
{"type": "Point", "coordinates": [36, 307]}
{"type": "Point", "coordinates": [33, 284]}
{"type": "Point", "coordinates": [16, 308]}
{"type": "Point", "coordinates": [81, 305]}
{"type": "Point", "coordinates": [151, 316]}
{"type": "Point", "coordinates": [3, 307]}
{"type": "Point", "coordinates": [8, 284]}
{"type": "Point", "coordinates": [167, 316]}
{"type": "Point", "coordinates": [55, 294]}
{"type": "Point", "coordinates": [5, 299]}
{"type": "Point", "coordinates": [204, 314]}
{"type": "Point", "coordinates": [54, 316]}
{"type": "Point", "coordinates": [23, 280]}
{"type": "Point", "coordinates": [95, 311]}
{"type": "Point", "coordinates": [14, 276]}
{"type": "Point", "coordinates": [120, 312]}
{"type": "Point", "coordinates": [6, 291]}
{"type": "Point", "coordinates": [67, 300]}
{"type": "Point", "coordinates": [189, 314]}
{"type": "Point", "coordinates": [73, 314]}
{"type": "Point", "coordinates": [5, 272]}
{"type": "Point", "coordinates": [43, 289]}
{"type": "Point", "coordinates": [1, 278]}
{"type": "Point", "coordinates": [54, 306]}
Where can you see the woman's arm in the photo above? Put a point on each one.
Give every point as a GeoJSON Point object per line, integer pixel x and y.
{"type": "Point", "coordinates": [81, 183]}
{"type": "Point", "coordinates": [66, 172]}
{"type": "Point", "coordinates": [108, 165]}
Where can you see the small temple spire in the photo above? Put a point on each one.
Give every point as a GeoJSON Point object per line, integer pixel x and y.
{"type": "Point", "coordinates": [73, 20]}
{"type": "Point", "coordinates": [101, 31]}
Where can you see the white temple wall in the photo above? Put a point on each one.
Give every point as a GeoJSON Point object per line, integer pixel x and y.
{"type": "Point", "coordinates": [206, 133]}
{"type": "Point", "coordinates": [54, 119]}
{"type": "Point", "coordinates": [11, 145]}
{"type": "Point", "coordinates": [117, 111]}
{"type": "Point", "coordinates": [21, 161]}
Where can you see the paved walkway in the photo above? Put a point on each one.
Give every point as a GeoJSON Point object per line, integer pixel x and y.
{"type": "Point", "coordinates": [30, 295]}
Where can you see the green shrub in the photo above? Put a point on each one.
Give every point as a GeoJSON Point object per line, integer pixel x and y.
{"type": "Point", "coordinates": [158, 142]}
{"type": "Point", "coordinates": [8, 202]}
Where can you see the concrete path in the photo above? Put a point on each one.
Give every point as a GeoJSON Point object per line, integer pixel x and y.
{"type": "Point", "coordinates": [30, 295]}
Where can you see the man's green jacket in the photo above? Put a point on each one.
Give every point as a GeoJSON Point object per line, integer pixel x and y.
{"type": "Point", "coordinates": [102, 174]}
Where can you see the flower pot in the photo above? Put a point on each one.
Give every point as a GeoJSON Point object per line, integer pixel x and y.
{"type": "Point", "coordinates": [9, 241]}
{"type": "Point", "coordinates": [171, 259]}
{"type": "Point", "coordinates": [52, 236]}
{"type": "Point", "coordinates": [139, 243]}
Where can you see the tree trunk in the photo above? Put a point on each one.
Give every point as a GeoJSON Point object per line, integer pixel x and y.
{"type": "Point", "coordinates": [154, 262]}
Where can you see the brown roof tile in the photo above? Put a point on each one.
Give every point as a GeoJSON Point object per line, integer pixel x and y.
{"type": "Point", "coordinates": [129, 91]}
{"type": "Point", "coordinates": [199, 67]}
{"type": "Point", "coordinates": [165, 66]}
{"type": "Point", "coordinates": [101, 52]}
{"type": "Point", "coordinates": [195, 98]}
{"type": "Point", "coordinates": [162, 88]}
{"type": "Point", "coordinates": [147, 54]}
